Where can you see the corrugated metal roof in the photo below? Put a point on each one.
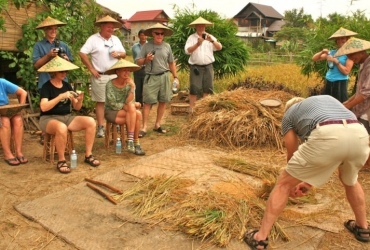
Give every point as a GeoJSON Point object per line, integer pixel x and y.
{"type": "Point", "coordinates": [150, 15]}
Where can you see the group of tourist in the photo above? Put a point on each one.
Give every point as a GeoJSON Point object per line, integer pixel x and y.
{"type": "Point", "coordinates": [321, 133]}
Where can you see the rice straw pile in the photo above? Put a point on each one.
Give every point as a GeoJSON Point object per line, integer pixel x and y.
{"type": "Point", "coordinates": [237, 119]}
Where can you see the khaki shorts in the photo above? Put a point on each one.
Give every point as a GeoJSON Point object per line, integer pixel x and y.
{"type": "Point", "coordinates": [110, 115]}
{"type": "Point", "coordinates": [157, 89]}
{"type": "Point", "coordinates": [66, 119]}
{"type": "Point", "coordinates": [98, 87]}
{"type": "Point", "coordinates": [328, 147]}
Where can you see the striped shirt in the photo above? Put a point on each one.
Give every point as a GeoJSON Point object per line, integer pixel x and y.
{"type": "Point", "coordinates": [303, 116]}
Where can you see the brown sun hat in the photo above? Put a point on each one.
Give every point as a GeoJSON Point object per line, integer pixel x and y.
{"type": "Point", "coordinates": [167, 31]}
{"type": "Point", "coordinates": [108, 19]}
{"type": "Point", "coordinates": [122, 63]}
{"type": "Point", "coordinates": [353, 45]}
{"type": "Point", "coordinates": [49, 21]}
{"type": "Point", "coordinates": [342, 32]}
{"type": "Point", "coordinates": [200, 20]}
{"type": "Point", "coordinates": [57, 64]}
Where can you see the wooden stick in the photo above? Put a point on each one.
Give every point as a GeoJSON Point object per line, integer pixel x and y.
{"type": "Point", "coordinates": [105, 185]}
{"type": "Point", "coordinates": [102, 193]}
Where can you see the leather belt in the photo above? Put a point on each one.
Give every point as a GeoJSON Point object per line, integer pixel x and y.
{"type": "Point", "coordinates": [204, 65]}
{"type": "Point", "coordinates": [101, 73]}
{"type": "Point", "coordinates": [349, 121]}
{"type": "Point", "coordinates": [159, 74]}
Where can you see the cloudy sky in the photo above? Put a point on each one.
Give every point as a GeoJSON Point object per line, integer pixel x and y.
{"type": "Point", "coordinates": [230, 8]}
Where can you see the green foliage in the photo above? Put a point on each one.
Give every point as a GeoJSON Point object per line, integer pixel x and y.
{"type": "Point", "coordinates": [297, 19]}
{"type": "Point", "coordinates": [79, 15]}
{"type": "Point", "coordinates": [318, 39]}
{"type": "Point", "coordinates": [234, 54]}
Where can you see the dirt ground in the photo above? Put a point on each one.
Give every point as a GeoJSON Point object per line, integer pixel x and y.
{"type": "Point", "coordinates": [37, 179]}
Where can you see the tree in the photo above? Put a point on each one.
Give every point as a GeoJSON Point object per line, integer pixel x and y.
{"type": "Point", "coordinates": [234, 54]}
{"type": "Point", "coordinates": [79, 15]}
{"type": "Point", "coordinates": [297, 18]}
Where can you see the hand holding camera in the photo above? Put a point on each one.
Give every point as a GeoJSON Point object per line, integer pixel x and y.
{"type": "Point", "coordinates": [204, 36]}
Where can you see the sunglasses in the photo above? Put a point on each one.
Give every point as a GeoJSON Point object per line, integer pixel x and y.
{"type": "Point", "coordinates": [159, 33]}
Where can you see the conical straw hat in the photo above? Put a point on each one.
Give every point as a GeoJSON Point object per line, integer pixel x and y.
{"type": "Point", "coordinates": [167, 31]}
{"type": "Point", "coordinates": [122, 63]}
{"type": "Point", "coordinates": [57, 64]}
{"type": "Point", "coordinates": [342, 32]}
{"type": "Point", "coordinates": [50, 22]}
{"type": "Point", "coordinates": [108, 19]}
{"type": "Point", "coordinates": [353, 45]}
{"type": "Point", "coordinates": [200, 20]}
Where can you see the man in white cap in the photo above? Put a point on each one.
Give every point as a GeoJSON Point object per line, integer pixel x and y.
{"type": "Point", "coordinates": [200, 47]}
{"type": "Point", "coordinates": [48, 48]}
{"type": "Point", "coordinates": [105, 49]}
{"type": "Point", "coordinates": [157, 57]}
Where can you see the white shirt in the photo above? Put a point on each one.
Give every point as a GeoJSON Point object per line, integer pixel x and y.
{"type": "Point", "coordinates": [203, 55]}
{"type": "Point", "coordinates": [99, 48]}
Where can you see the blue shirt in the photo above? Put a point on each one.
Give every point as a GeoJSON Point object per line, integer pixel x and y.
{"type": "Point", "coordinates": [6, 88]}
{"type": "Point", "coordinates": [136, 48]}
{"type": "Point", "coordinates": [41, 49]}
{"type": "Point", "coordinates": [334, 73]}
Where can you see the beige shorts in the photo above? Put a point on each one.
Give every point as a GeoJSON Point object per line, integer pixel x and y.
{"type": "Point", "coordinates": [98, 87]}
{"type": "Point", "coordinates": [328, 147]}
{"type": "Point", "coordinates": [66, 119]}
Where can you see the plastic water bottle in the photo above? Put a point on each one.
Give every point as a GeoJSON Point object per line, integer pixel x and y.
{"type": "Point", "coordinates": [330, 63]}
{"type": "Point", "coordinates": [118, 146]}
{"type": "Point", "coordinates": [174, 87]}
{"type": "Point", "coordinates": [73, 159]}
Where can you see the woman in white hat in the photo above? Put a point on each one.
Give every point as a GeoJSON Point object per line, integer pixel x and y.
{"type": "Point", "coordinates": [57, 100]}
{"type": "Point", "coordinates": [336, 79]}
{"type": "Point", "coordinates": [120, 103]}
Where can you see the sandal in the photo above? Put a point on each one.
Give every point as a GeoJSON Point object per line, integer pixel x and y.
{"type": "Point", "coordinates": [22, 159]}
{"type": "Point", "coordinates": [358, 232]}
{"type": "Point", "coordinates": [142, 134]}
{"type": "Point", "coordinates": [63, 165]}
{"type": "Point", "coordinates": [12, 161]}
{"type": "Point", "coordinates": [160, 130]}
{"type": "Point", "coordinates": [92, 161]}
{"type": "Point", "coordinates": [252, 243]}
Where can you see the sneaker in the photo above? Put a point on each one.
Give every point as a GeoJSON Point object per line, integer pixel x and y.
{"type": "Point", "coordinates": [101, 132]}
{"type": "Point", "coordinates": [139, 150]}
{"type": "Point", "coordinates": [130, 146]}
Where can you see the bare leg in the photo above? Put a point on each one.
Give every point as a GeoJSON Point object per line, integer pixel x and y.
{"type": "Point", "coordinates": [130, 117]}
{"type": "Point", "coordinates": [160, 112]}
{"type": "Point", "coordinates": [59, 130]}
{"type": "Point", "coordinates": [5, 136]}
{"type": "Point", "coordinates": [18, 132]}
{"type": "Point", "coordinates": [137, 125]}
{"type": "Point", "coordinates": [88, 124]}
{"type": "Point", "coordinates": [146, 110]}
{"type": "Point", "coordinates": [276, 203]}
{"type": "Point", "coordinates": [192, 100]}
{"type": "Point", "coordinates": [99, 110]}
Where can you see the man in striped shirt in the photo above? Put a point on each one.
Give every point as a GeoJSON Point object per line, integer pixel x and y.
{"type": "Point", "coordinates": [333, 138]}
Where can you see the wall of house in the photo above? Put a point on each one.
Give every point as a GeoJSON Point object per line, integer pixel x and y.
{"type": "Point", "coordinates": [136, 26]}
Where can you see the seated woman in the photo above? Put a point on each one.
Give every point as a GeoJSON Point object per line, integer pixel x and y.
{"type": "Point", "coordinates": [12, 124]}
{"type": "Point", "coordinates": [56, 98]}
{"type": "Point", "coordinates": [120, 105]}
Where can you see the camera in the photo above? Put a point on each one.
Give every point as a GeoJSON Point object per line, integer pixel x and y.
{"type": "Point", "coordinates": [59, 49]}
{"type": "Point", "coordinates": [153, 52]}
{"type": "Point", "coordinates": [204, 35]}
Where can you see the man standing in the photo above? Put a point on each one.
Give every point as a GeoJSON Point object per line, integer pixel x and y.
{"type": "Point", "coordinates": [48, 48]}
{"type": "Point", "coordinates": [105, 49]}
{"type": "Point", "coordinates": [200, 47]}
{"type": "Point", "coordinates": [157, 57]}
{"type": "Point", "coordinates": [140, 74]}
{"type": "Point", "coordinates": [334, 140]}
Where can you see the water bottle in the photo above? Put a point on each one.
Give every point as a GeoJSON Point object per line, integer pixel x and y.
{"type": "Point", "coordinates": [73, 159]}
{"type": "Point", "coordinates": [330, 63]}
{"type": "Point", "coordinates": [174, 87]}
{"type": "Point", "coordinates": [118, 146]}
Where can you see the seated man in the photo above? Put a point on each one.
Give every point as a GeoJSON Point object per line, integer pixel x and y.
{"type": "Point", "coordinates": [15, 123]}
{"type": "Point", "coordinates": [55, 116]}
{"type": "Point", "coordinates": [120, 106]}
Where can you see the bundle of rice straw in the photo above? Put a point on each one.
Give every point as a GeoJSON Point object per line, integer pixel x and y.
{"type": "Point", "coordinates": [237, 119]}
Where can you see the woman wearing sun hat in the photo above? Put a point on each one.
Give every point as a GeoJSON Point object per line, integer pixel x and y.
{"type": "Point", "coordinates": [120, 103]}
{"type": "Point", "coordinates": [56, 102]}
{"type": "Point", "coordinates": [336, 79]}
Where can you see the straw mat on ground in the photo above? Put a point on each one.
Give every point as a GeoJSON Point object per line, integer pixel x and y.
{"type": "Point", "coordinates": [237, 119]}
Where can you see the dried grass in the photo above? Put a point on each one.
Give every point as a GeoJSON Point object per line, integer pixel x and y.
{"type": "Point", "coordinates": [237, 119]}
